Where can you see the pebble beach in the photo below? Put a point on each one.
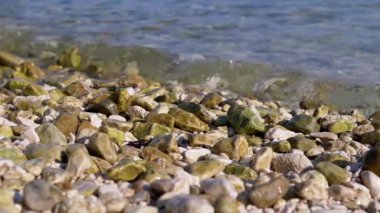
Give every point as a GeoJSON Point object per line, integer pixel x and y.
{"type": "Point", "coordinates": [72, 142]}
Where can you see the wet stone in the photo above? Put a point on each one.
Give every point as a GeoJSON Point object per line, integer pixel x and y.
{"type": "Point", "coordinates": [197, 109]}
{"type": "Point", "coordinates": [371, 160]}
{"type": "Point", "coordinates": [244, 120]}
{"type": "Point", "coordinates": [303, 123]}
{"type": "Point", "coordinates": [106, 107]}
{"type": "Point", "coordinates": [212, 100]}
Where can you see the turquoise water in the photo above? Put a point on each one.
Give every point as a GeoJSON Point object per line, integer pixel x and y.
{"type": "Point", "coordinates": [334, 40]}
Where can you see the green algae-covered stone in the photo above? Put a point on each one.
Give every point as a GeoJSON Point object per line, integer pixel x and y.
{"type": "Point", "coordinates": [282, 147]}
{"type": "Point", "coordinates": [163, 119]}
{"type": "Point", "coordinates": [124, 100]}
{"type": "Point", "coordinates": [371, 138]}
{"type": "Point", "coordinates": [150, 154]}
{"type": "Point", "coordinates": [187, 121]}
{"type": "Point", "coordinates": [371, 160]}
{"type": "Point", "coordinates": [50, 134]}
{"type": "Point", "coordinates": [206, 168]}
{"type": "Point", "coordinates": [17, 85]}
{"type": "Point", "coordinates": [235, 147]}
{"type": "Point", "coordinates": [56, 95]}
{"type": "Point", "coordinates": [242, 172]}
{"type": "Point", "coordinates": [333, 173]}
{"type": "Point", "coordinates": [302, 143]}
{"type": "Point", "coordinates": [8, 59]}
{"type": "Point", "coordinates": [35, 90]}
{"type": "Point", "coordinates": [212, 100]}
{"type": "Point", "coordinates": [127, 170]}
{"type": "Point", "coordinates": [341, 126]}
{"type": "Point", "coordinates": [165, 143]}
{"type": "Point", "coordinates": [147, 130]}
{"type": "Point", "coordinates": [70, 58]}
{"type": "Point", "coordinates": [106, 107]}
{"type": "Point", "coordinates": [145, 102]}
{"type": "Point", "coordinates": [197, 109]}
{"type": "Point", "coordinates": [47, 151]}
{"type": "Point", "coordinates": [6, 131]}
{"type": "Point", "coordinates": [244, 120]}
{"type": "Point", "coordinates": [116, 135]}
{"type": "Point", "coordinates": [334, 158]}
{"type": "Point", "coordinates": [13, 154]}
{"type": "Point", "coordinates": [303, 123]}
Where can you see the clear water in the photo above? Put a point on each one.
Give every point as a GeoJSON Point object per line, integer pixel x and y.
{"type": "Point", "coordinates": [338, 40]}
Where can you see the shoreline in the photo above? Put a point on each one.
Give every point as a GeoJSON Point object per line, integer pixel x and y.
{"type": "Point", "coordinates": [70, 141]}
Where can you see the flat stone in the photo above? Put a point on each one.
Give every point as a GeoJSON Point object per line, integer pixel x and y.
{"type": "Point", "coordinates": [163, 119]}
{"type": "Point", "coordinates": [206, 168]}
{"type": "Point", "coordinates": [240, 171]}
{"type": "Point", "coordinates": [67, 123]}
{"type": "Point", "coordinates": [48, 151]}
{"type": "Point", "coordinates": [197, 109]}
{"type": "Point", "coordinates": [127, 170]}
{"type": "Point", "coordinates": [333, 173]}
{"type": "Point", "coordinates": [279, 134]}
{"type": "Point", "coordinates": [165, 143]}
{"type": "Point", "coordinates": [192, 155]}
{"type": "Point", "coordinates": [324, 136]}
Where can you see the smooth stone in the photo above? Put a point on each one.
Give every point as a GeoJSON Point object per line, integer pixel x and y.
{"type": "Point", "coordinates": [208, 140]}
{"type": "Point", "coordinates": [218, 187]}
{"type": "Point", "coordinates": [48, 151]}
{"type": "Point", "coordinates": [341, 126]}
{"type": "Point", "coordinates": [7, 204]}
{"type": "Point", "coordinates": [79, 161]}
{"type": "Point", "coordinates": [170, 185]}
{"type": "Point", "coordinates": [148, 130]}
{"type": "Point", "coordinates": [187, 121]}
{"type": "Point", "coordinates": [165, 143]}
{"type": "Point", "coordinates": [79, 203]}
{"type": "Point", "coordinates": [371, 160]}
{"type": "Point", "coordinates": [34, 90]}
{"type": "Point", "coordinates": [151, 154]}
{"type": "Point", "coordinates": [35, 166]}
{"type": "Point", "coordinates": [264, 195]}
{"type": "Point", "coordinates": [6, 131]}
{"type": "Point", "coordinates": [335, 158]}
{"type": "Point", "coordinates": [78, 89]}
{"type": "Point", "coordinates": [279, 134]}
{"type": "Point", "coordinates": [101, 146]}
{"type": "Point", "coordinates": [333, 173]}
{"type": "Point", "coordinates": [86, 188]}
{"type": "Point", "coordinates": [235, 147]}
{"type": "Point", "coordinates": [371, 138]}
{"type": "Point", "coordinates": [206, 168]}
{"type": "Point", "coordinates": [242, 172]}
{"type": "Point", "coordinates": [163, 119]}
{"type": "Point", "coordinates": [145, 102]}
{"type": "Point", "coordinates": [314, 186]}
{"type": "Point", "coordinates": [106, 107]}
{"type": "Point", "coordinates": [303, 123]}
{"type": "Point", "coordinates": [225, 204]}
{"type": "Point", "coordinates": [212, 100]}
{"type": "Point", "coordinates": [244, 120]}
{"type": "Point", "coordinates": [67, 123]}
{"type": "Point", "coordinates": [112, 198]}
{"type": "Point", "coordinates": [50, 134]}
{"type": "Point", "coordinates": [40, 195]}
{"type": "Point", "coordinates": [360, 130]}
{"type": "Point", "coordinates": [13, 154]}
{"type": "Point", "coordinates": [302, 143]}
{"type": "Point", "coordinates": [31, 135]}
{"type": "Point", "coordinates": [136, 113]}
{"type": "Point", "coordinates": [127, 170]}
{"type": "Point", "coordinates": [141, 209]}
{"type": "Point", "coordinates": [197, 109]}
{"type": "Point", "coordinates": [262, 160]}
{"type": "Point", "coordinates": [324, 136]}
{"type": "Point", "coordinates": [188, 204]}
{"type": "Point", "coordinates": [372, 181]}
{"type": "Point", "coordinates": [295, 162]}
{"type": "Point", "coordinates": [124, 100]}
{"type": "Point", "coordinates": [341, 192]}
{"type": "Point", "coordinates": [192, 155]}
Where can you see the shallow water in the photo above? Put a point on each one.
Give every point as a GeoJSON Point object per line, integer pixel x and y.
{"type": "Point", "coordinates": [247, 44]}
